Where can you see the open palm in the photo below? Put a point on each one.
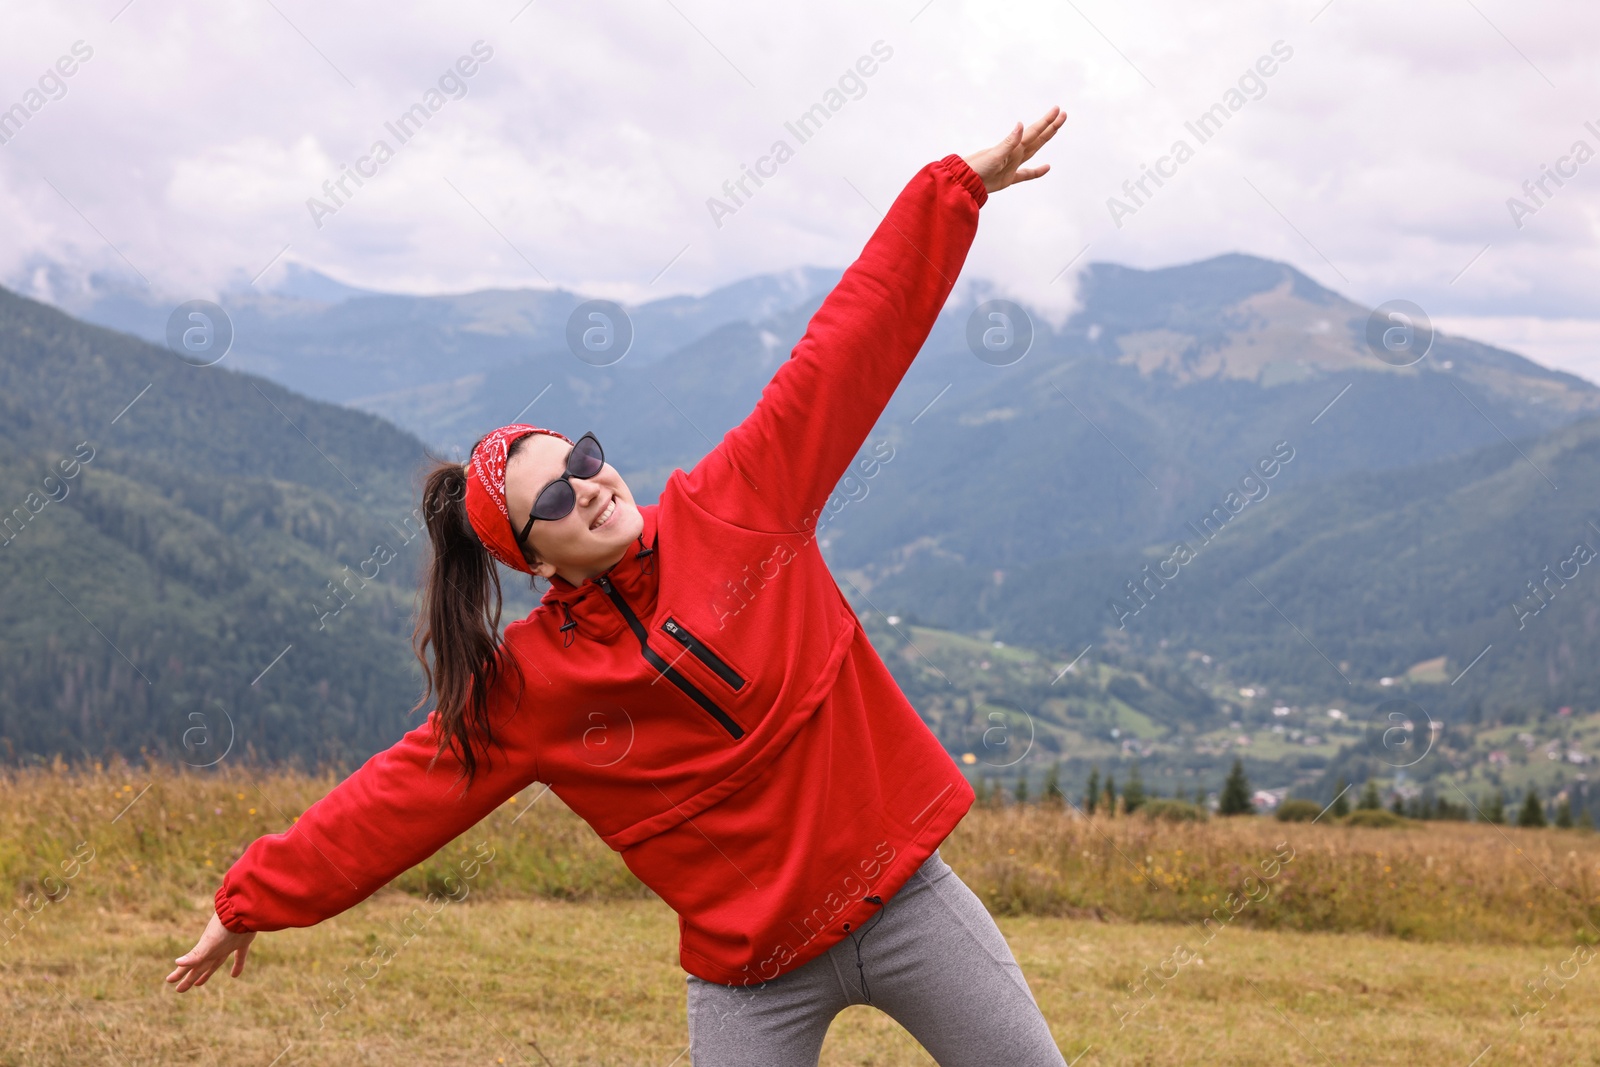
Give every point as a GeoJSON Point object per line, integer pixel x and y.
{"type": "Point", "coordinates": [216, 944]}
{"type": "Point", "coordinates": [1001, 165]}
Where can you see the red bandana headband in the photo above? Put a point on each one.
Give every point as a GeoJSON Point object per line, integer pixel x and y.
{"type": "Point", "coordinates": [486, 493]}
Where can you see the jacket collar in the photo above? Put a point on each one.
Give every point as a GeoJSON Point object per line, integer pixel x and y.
{"type": "Point", "coordinates": [588, 607]}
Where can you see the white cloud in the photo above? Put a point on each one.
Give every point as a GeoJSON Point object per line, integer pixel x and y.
{"type": "Point", "coordinates": [1572, 345]}
{"type": "Point", "coordinates": [1378, 159]}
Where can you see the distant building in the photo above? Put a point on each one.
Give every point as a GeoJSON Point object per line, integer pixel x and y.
{"type": "Point", "coordinates": [1268, 799]}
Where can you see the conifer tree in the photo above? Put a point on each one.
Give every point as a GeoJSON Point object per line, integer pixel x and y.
{"type": "Point", "coordinates": [1532, 813]}
{"type": "Point", "coordinates": [1111, 794]}
{"type": "Point", "coordinates": [1564, 813]}
{"type": "Point", "coordinates": [1133, 796]}
{"type": "Point", "coordinates": [1091, 795]}
{"type": "Point", "coordinates": [1341, 802]}
{"type": "Point", "coordinates": [1398, 805]}
{"type": "Point", "coordinates": [1495, 810]}
{"type": "Point", "coordinates": [1022, 788]}
{"type": "Point", "coordinates": [1370, 801]}
{"type": "Point", "coordinates": [1235, 798]}
{"type": "Point", "coordinates": [1052, 786]}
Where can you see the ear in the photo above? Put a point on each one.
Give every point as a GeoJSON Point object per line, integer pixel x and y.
{"type": "Point", "coordinates": [538, 568]}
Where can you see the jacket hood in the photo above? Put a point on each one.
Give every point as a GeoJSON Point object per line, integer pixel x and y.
{"type": "Point", "coordinates": [583, 609]}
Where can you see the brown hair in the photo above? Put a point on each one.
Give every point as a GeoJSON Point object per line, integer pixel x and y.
{"type": "Point", "coordinates": [459, 618]}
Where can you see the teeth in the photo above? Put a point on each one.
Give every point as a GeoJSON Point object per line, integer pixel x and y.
{"type": "Point", "coordinates": [605, 514]}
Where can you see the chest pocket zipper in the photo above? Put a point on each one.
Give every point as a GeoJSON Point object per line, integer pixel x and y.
{"type": "Point", "coordinates": [689, 688]}
{"type": "Point", "coordinates": [703, 654]}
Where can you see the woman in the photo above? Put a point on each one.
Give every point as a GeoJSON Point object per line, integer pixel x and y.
{"type": "Point", "coordinates": [695, 686]}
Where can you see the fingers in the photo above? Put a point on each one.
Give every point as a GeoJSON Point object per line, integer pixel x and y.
{"type": "Point", "coordinates": [1041, 132]}
{"type": "Point", "coordinates": [193, 968]}
{"type": "Point", "coordinates": [238, 960]}
{"type": "Point", "coordinates": [1049, 118]}
{"type": "Point", "coordinates": [185, 977]}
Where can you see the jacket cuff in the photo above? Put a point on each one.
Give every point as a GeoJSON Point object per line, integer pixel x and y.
{"type": "Point", "coordinates": [225, 912]}
{"type": "Point", "coordinates": [962, 172]}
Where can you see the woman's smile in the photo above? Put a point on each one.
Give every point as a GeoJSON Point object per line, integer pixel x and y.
{"type": "Point", "coordinates": [605, 516]}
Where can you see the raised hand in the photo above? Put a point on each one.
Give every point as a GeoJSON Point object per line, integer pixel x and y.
{"type": "Point", "coordinates": [216, 944]}
{"type": "Point", "coordinates": [998, 166]}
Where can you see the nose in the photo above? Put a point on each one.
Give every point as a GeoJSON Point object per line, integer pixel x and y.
{"type": "Point", "coordinates": [584, 490]}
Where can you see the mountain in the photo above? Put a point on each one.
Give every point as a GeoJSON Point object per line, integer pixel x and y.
{"type": "Point", "coordinates": [1017, 501]}
{"type": "Point", "coordinates": [433, 364]}
{"type": "Point", "coordinates": [168, 543]}
{"type": "Point", "coordinates": [1159, 395]}
{"type": "Point", "coordinates": [1463, 583]}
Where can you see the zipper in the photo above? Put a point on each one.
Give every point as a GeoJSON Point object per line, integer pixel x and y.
{"type": "Point", "coordinates": [702, 653]}
{"type": "Point", "coordinates": [661, 665]}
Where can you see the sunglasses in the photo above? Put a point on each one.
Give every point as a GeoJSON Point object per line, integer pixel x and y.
{"type": "Point", "coordinates": [557, 499]}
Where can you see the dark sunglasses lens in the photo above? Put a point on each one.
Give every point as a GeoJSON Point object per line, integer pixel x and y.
{"type": "Point", "coordinates": [556, 502]}
{"type": "Point", "coordinates": [586, 459]}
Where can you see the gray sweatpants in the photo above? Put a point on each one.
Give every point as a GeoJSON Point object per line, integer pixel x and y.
{"type": "Point", "coordinates": [932, 958]}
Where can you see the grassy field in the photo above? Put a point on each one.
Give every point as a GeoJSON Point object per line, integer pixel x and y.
{"type": "Point", "coordinates": [1423, 945]}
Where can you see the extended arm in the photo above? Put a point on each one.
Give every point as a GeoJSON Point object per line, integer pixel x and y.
{"type": "Point", "coordinates": [391, 814]}
{"type": "Point", "coordinates": [774, 470]}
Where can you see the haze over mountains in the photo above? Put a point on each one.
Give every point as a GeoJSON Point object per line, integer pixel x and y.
{"type": "Point", "coordinates": [1406, 509]}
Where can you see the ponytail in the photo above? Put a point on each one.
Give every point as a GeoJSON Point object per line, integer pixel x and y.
{"type": "Point", "coordinates": [459, 619]}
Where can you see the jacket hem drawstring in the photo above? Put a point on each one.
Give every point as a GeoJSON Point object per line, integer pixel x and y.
{"type": "Point", "coordinates": [861, 966]}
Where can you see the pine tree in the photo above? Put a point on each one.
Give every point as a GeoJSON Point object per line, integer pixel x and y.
{"type": "Point", "coordinates": [1370, 801]}
{"type": "Point", "coordinates": [1341, 803]}
{"type": "Point", "coordinates": [1398, 806]}
{"type": "Point", "coordinates": [1022, 789]}
{"type": "Point", "coordinates": [1052, 786]}
{"type": "Point", "coordinates": [1091, 795]}
{"type": "Point", "coordinates": [1532, 813]}
{"type": "Point", "coordinates": [1236, 793]}
{"type": "Point", "coordinates": [1495, 810]}
{"type": "Point", "coordinates": [1133, 796]}
{"type": "Point", "coordinates": [1111, 794]}
{"type": "Point", "coordinates": [1564, 813]}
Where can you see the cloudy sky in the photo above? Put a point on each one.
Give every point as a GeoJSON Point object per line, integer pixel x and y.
{"type": "Point", "coordinates": [583, 149]}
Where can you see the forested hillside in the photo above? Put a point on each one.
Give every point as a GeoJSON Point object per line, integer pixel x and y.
{"type": "Point", "coordinates": [171, 533]}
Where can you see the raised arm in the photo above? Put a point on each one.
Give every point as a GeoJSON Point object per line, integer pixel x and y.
{"type": "Point", "coordinates": [391, 814]}
{"type": "Point", "coordinates": [774, 470]}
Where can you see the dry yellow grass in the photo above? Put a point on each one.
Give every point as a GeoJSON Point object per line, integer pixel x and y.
{"type": "Point", "coordinates": [1431, 881]}
{"type": "Point", "coordinates": [530, 982]}
{"type": "Point", "coordinates": [112, 871]}
{"type": "Point", "coordinates": [160, 839]}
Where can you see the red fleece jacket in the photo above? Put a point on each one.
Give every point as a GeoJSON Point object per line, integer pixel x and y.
{"type": "Point", "coordinates": [710, 705]}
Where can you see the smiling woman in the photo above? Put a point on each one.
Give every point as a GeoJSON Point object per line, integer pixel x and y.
{"type": "Point", "coordinates": [776, 788]}
{"type": "Point", "coordinates": [607, 516]}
